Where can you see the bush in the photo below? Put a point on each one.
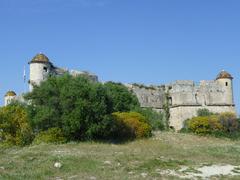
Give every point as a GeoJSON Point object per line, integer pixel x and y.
{"type": "Point", "coordinates": [223, 124]}
{"type": "Point", "coordinates": [204, 125]}
{"type": "Point", "coordinates": [204, 112]}
{"type": "Point", "coordinates": [155, 119]}
{"type": "Point", "coordinates": [229, 121]}
{"type": "Point", "coordinates": [14, 125]}
{"type": "Point", "coordinates": [131, 125]}
{"type": "Point", "coordinates": [52, 135]}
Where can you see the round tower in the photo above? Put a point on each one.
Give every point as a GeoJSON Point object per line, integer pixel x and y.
{"type": "Point", "coordinates": [9, 97]}
{"type": "Point", "coordinates": [40, 67]}
{"type": "Point", "coordinates": [225, 80]}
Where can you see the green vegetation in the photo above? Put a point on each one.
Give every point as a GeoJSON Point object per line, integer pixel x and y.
{"type": "Point", "coordinates": [68, 108]}
{"type": "Point", "coordinates": [204, 112]}
{"type": "Point", "coordinates": [204, 125]}
{"type": "Point", "coordinates": [52, 135]}
{"type": "Point", "coordinates": [122, 100]}
{"type": "Point", "coordinates": [131, 125]}
{"type": "Point", "coordinates": [155, 119]}
{"type": "Point", "coordinates": [14, 126]}
{"type": "Point", "coordinates": [142, 86]}
{"type": "Point", "coordinates": [220, 125]}
{"type": "Point", "coordinates": [152, 158]}
{"type": "Point", "coordinates": [82, 109]}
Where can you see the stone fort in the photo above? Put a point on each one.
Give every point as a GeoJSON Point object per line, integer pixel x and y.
{"type": "Point", "coordinates": [181, 98]}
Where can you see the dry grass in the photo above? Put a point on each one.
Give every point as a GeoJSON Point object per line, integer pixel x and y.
{"type": "Point", "coordinates": [141, 159]}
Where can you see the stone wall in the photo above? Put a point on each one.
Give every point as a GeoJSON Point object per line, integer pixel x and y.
{"type": "Point", "coordinates": [180, 114]}
{"type": "Point", "coordinates": [186, 97]}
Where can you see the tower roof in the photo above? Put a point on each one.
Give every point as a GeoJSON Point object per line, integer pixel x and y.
{"type": "Point", "coordinates": [10, 93]}
{"type": "Point", "coordinates": [224, 75]}
{"type": "Point", "coordinates": [40, 58]}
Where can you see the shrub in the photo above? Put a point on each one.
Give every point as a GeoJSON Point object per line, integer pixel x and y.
{"type": "Point", "coordinates": [131, 125]}
{"type": "Point", "coordinates": [52, 135]}
{"type": "Point", "coordinates": [155, 119]}
{"type": "Point", "coordinates": [204, 125]}
{"type": "Point", "coordinates": [229, 121]}
{"type": "Point", "coordinates": [204, 112]}
{"type": "Point", "coordinates": [14, 125]}
{"type": "Point", "coordinates": [223, 124]}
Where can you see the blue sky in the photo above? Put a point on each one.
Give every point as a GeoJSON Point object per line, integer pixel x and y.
{"type": "Point", "coordinates": [144, 41]}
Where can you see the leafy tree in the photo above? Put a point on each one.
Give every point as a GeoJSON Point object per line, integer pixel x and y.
{"type": "Point", "coordinates": [79, 107]}
{"type": "Point", "coordinates": [123, 100]}
{"type": "Point", "coordinates": [74, 104]}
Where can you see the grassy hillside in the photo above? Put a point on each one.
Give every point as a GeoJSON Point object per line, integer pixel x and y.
{"type": "Point", "coordinates": [167, 155]}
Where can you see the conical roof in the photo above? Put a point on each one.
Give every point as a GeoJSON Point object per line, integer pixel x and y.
{"type": "Point", "coordinates": [40, 58]}
{"type": "Point", "coordinates": [10, 93]}
{"type": "Point", "coordinates": [224, 75]}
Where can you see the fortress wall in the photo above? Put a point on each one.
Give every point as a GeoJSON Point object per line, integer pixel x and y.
{"type": "Point", "coordinates": [152, 97]}
{"type": "Point", "coordinates": [180, 114]}
{"type": "Point", "coordinates": [186, 98]}
{"type": "Point", "coordinates": [206, 93]}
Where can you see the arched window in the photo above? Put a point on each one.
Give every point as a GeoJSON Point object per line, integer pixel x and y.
{"type": "Point", "coordinates": [226, 83]}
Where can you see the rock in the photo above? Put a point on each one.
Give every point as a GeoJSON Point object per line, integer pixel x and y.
{"type": "Point", "coordinates": [107, 162]}
{"type": "Point", "coordinates": [92, 178]}
{"type": "Point", "coordinates": [144, 175]}
{"type": "Point", "coordinates": [58, 165]}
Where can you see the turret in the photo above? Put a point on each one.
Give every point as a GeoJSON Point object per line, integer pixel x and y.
{"type": "Point", "coordinates": [225, 80]}
{"type": "Point", "coordinates": [40, 67]}
{"type": "Point", "coordinates": [9, 97]}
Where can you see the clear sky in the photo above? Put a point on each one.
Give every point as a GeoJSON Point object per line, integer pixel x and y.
{"type": "Point", "coordinates": [144, 41]}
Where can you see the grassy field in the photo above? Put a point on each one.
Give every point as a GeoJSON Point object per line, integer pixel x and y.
{"type": "Point", "coordinates": [161, 157]}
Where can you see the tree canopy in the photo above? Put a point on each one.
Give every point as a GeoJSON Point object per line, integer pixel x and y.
{"type": "Point", "coordinates": [80, 107]}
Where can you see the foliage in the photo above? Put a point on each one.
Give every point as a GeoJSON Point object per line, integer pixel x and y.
{"type": "Point", "coordinates": [14, 125]}
{"type": "Point", "coordinates": [204, 112]}
{"type": "Point", "coordinates": [74, 104]}
{"type": "Point", "coordinates": [229, 121]}
{"type": "Point", "coordinates": [224, 124]}
{"type": "Point", "coordinates": [131, 125]}
{"type": "Point", "coordinates": [79, 107]}
{"type": "Point", "coordinates": [122, 99]}
{"type": "Point", "coordinates": [155, 119]}
{"type": "Point", "coordinates": [52, 135]}
{"type": "Point", "coordinates": [204, 124]}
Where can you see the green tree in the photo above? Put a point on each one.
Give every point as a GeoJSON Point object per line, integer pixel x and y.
{"type": "Point", "coordinates": [79, 107]}
{"type": "Point", "coordinates": [74, 104]}
{"type": "Point", "coordinates": [122, 99]}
